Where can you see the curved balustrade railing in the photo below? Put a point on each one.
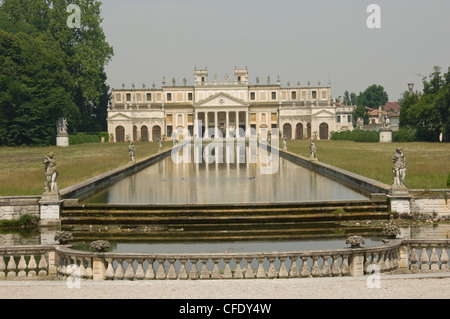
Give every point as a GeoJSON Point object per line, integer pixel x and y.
{"type": "Point", "coordinates": [51, 262]}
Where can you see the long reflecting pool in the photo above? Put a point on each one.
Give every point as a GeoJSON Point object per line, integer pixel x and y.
{"type": "Point", "coordinates": [223, 175]}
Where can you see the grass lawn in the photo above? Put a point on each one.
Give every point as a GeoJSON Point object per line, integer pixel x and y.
{"type": "Point", "coordinates": [22, 171]}
{"type": "Point", "coordinates": [428, 164]}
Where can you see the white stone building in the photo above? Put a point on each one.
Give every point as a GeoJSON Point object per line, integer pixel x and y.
{"type": "Point", "coordinates": [229, 105]}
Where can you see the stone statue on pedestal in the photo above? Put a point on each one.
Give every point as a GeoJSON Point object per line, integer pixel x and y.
{"type": "Point", "coordinates": [313, 150]}
{"type": "Point", "coordinates": [132, 152]}
{"type": "Point", "coordinates": [51, 174]}
{"type": "Point", "coordinates": [399, 169]}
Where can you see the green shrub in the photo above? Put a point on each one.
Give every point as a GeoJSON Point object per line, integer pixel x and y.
{"type": "Point", "coordinates": [84, 138]}
{"type": "Point", "coordinates": [404, 135]}
{"type": "Point", "coordinates": [357, 136]}
{"type": "Point", "coordinates": [24, 221]}
{"type": "Point", "coordinates": [448, 180]}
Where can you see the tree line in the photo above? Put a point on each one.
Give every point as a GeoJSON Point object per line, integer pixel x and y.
{"type": "Point", "coordinates": [50, 70]}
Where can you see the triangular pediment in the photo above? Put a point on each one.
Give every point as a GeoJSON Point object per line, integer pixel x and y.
{"type": "Point", "coordinates": [324, 113]}
{"type": "Point", "coordinates": [119, 116]}
{"type": "Point", "coordinates": [222, 100]}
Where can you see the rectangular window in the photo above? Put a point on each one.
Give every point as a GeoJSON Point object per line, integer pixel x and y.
{"type": "Point", "coordinates": [252, 96]}
{"type": "Point", "coordinates": [274, 117]}
{"type": "Point", "coordinates": [169, 131]}
{"type": "Point", "coordinates": [339, 119]}
{"type": "Point", "coordinates": [190, 97]}
{"type": "Point", "coordinates": [149, 97]}
{"type": "Point", "coordinates": [190, 118]}
{"type": "Point", "coordinates": [128, 97]}
{"type": "Point", "coordinates": [294, 95]}
{"type": "Point", "coordinates": [274, 95]}
{"type": "Point", "coordinates": [169, 97]}
{"type": "Point", "coordinates": [191, 130]}
{"type": "Point", "coordinates": [314, 95]}
{"type": "Point", "coordinates": [274, 126]}
{"type": "Point", "coordinates": [349, 119]}
{"type": "Point", "coordinates": [169, 118]}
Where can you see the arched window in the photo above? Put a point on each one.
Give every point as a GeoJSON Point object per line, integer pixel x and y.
{"type": "Point", "coordinates": [287, 131]}
{"type": "Point", "coordinates": [323, 131]}
{"type": "Point", "coordinates": [156, 133]}
{"type": "Point", "coordinates": [144, 133]}
{"type": "Point", "coordinates": [299, 131]}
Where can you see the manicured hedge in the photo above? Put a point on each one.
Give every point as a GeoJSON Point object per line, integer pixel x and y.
{"type": "Point", "coordinates": [357, 136]}
{"type": "Point", "coordinates": [82, 138]}
{"type": "Point", "coordinates": [405, 135]}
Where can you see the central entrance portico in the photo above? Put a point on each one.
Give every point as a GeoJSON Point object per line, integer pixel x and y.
{"type": "Point", "coordinates": [222, 115]}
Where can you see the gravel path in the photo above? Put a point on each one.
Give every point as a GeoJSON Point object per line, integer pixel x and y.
{"type": "Point", "coordinates": [419, 286]}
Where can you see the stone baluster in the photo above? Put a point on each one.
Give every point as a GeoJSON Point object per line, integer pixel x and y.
{"type": "Point", "coordinates": [283, 273]}
{"type": "Point", "coordinates": [367, 262]}
{"type": "Point", "coordinates": [315, 270]}
{"type": "Point", "coordinates": [238, 273]}
{"type": "Point", "coordinates": [414, 259]}
{"type": "Point", "coordinates": [387, 261]}
{"type": "Point", "coordinates": [129, 274]}
{"type": "Point", "coordinates": [249, 272]}
{"type": "Point", "coordinates": [140, 273]}
{"type": "Point", "coordinates": [424, 260]}
{"type": "Point", "coordinates": [69, 266]}
{"type": "Point", "coordinates": [2, 268]}
{"type": "Point", "coordinates": [381, 262]}
{"type": "Point", "coordinates": [81, 269]}
{"type": "Point", "coordinates": [183, 275]}
{"type": "Point", "coordinates": [204, 273]}
{"type": "Point", "coordinates": [61, 269]}
{"type": "Point", "coordinates": [335, 268]}
{"type": "Point", "coordinates": [326, 269]}
{"type": "Point", "coordinates": [22, 266]}
{"type": "Point", "coordinates": [110, 273]}
{"type": "Point", "coordinates": [294, 272]}
{"type": "Point", "coordinates": [172, 273]}
{"type": "Point", "coordinates": [260, 273]}
{"type": "Point", "coordinates": [150, 273]}
{"type": "Point", "coordinates": [227, 273]}
{"type": "Point", "coordinates": [89, 272]}
{"type": "Point", "coordinates": [272, 272]}
{"type": "Point", "coordinates": [215, 274]}
{"type": "Point", "coordinates": [434, 259]}
{"type": "Point", "coordinates": [32, 266]}
{"type": "Point", "coordinates": [120, 272]}
{"type": "Point", "coordinates": [345, 268]}
{"type": "Point", "coordinates": [304, 271]}
{"type": "Point", "coordinates": [443, 258]}
{"type": "Point", "coordinates": [11, 267]}
{"type": "Point", "coordinates": [193, 274]}
{"type": "Point", "coordinates": [161, 273]}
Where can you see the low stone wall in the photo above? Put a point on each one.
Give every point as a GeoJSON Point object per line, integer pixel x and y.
{"type": "Point", "coordinates": [361, 183]}
{"type": "Point", "coordinates": [101, 181]}
{"type": "Point", "coordinates": [12, 208]}
{"type": "Point", "coordinates": [430, 203]}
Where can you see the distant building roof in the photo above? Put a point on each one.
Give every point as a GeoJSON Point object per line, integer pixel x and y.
{"type": "Point", "coordinates": [392, 107]}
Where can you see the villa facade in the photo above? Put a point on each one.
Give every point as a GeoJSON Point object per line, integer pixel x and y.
{"type": "Point", "coordinates": [232, 107]}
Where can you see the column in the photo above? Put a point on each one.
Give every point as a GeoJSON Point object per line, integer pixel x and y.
{"type": "Point", "coordinates": [216, 125]}
{"type": "Point", "coordinates": [196, 131]}
{"type": "Point", "coordinates": [247, 124]}
{"type": "Point", "coordinates": [237, 124]}
{"type": "Point", "coordinates": [227, 125]}
{"type": "Point", "coordinates": [206, 125]}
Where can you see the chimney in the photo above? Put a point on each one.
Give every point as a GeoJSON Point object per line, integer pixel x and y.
{"type": "Point", "coordinates": [411, 88]}
{"type": "Point", "coordinates": [340, 100]}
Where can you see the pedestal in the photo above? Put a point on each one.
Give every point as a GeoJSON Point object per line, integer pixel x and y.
{"type": "Point", "coordinates": [62, 140]}
{"type": "Point", "coordinates": [400, 200]}
{"type": "Point", "coordinates": [49, 209]}
{"type": "Point", "coordinates": [385, 135]}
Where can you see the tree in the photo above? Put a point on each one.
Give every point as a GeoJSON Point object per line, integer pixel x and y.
{"type": "Point", "coordinates": [35, 89]}
{"type": "Point", "coordinates": [374, 96]}
{"type": "Point", "coordinates": [429, 113]}
{"type": "Point", "coordinates": [361, 112]}
{"type": "Point", "coordinates": [85, 50]}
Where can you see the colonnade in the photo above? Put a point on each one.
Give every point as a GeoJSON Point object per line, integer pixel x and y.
{"type": "Point", "coordinates": [228, 125]}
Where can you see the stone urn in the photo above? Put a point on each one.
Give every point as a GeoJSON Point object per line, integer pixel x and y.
{"type": "Point", "coordinates": [391, 231]}
{"type": "Point", "coordinates": [99, 245]}
{"type": "Point", "coordinates": [355, 241]}
{"type": "Point", "coordinates": [63, 237]}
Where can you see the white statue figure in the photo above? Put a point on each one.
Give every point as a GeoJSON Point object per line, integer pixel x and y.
{"type": "Point", "coordinates": [284, 144]}
{"type": "Point", "coordinates": [313, 150]}
{"type": "Point", "coordinates": [62, 126]}
{"type": "Point", "coordinates": [51, 173]}
{"type": "Point", "coordinates": [399, 169]}
{"type": "Point", "coordinates": [132, 152]}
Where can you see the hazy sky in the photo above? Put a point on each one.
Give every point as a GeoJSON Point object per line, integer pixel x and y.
{"type": "Point", "coordinates": [324, 40]}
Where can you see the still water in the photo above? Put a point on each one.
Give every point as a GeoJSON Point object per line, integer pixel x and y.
{"type": "Point", "coordinates": [223, 175]}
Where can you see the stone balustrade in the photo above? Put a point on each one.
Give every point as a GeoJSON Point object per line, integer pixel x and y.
{"type": "Point", "coordinates": [51, 262]}
{"type": "Point", "coordinates": [28, 262]}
